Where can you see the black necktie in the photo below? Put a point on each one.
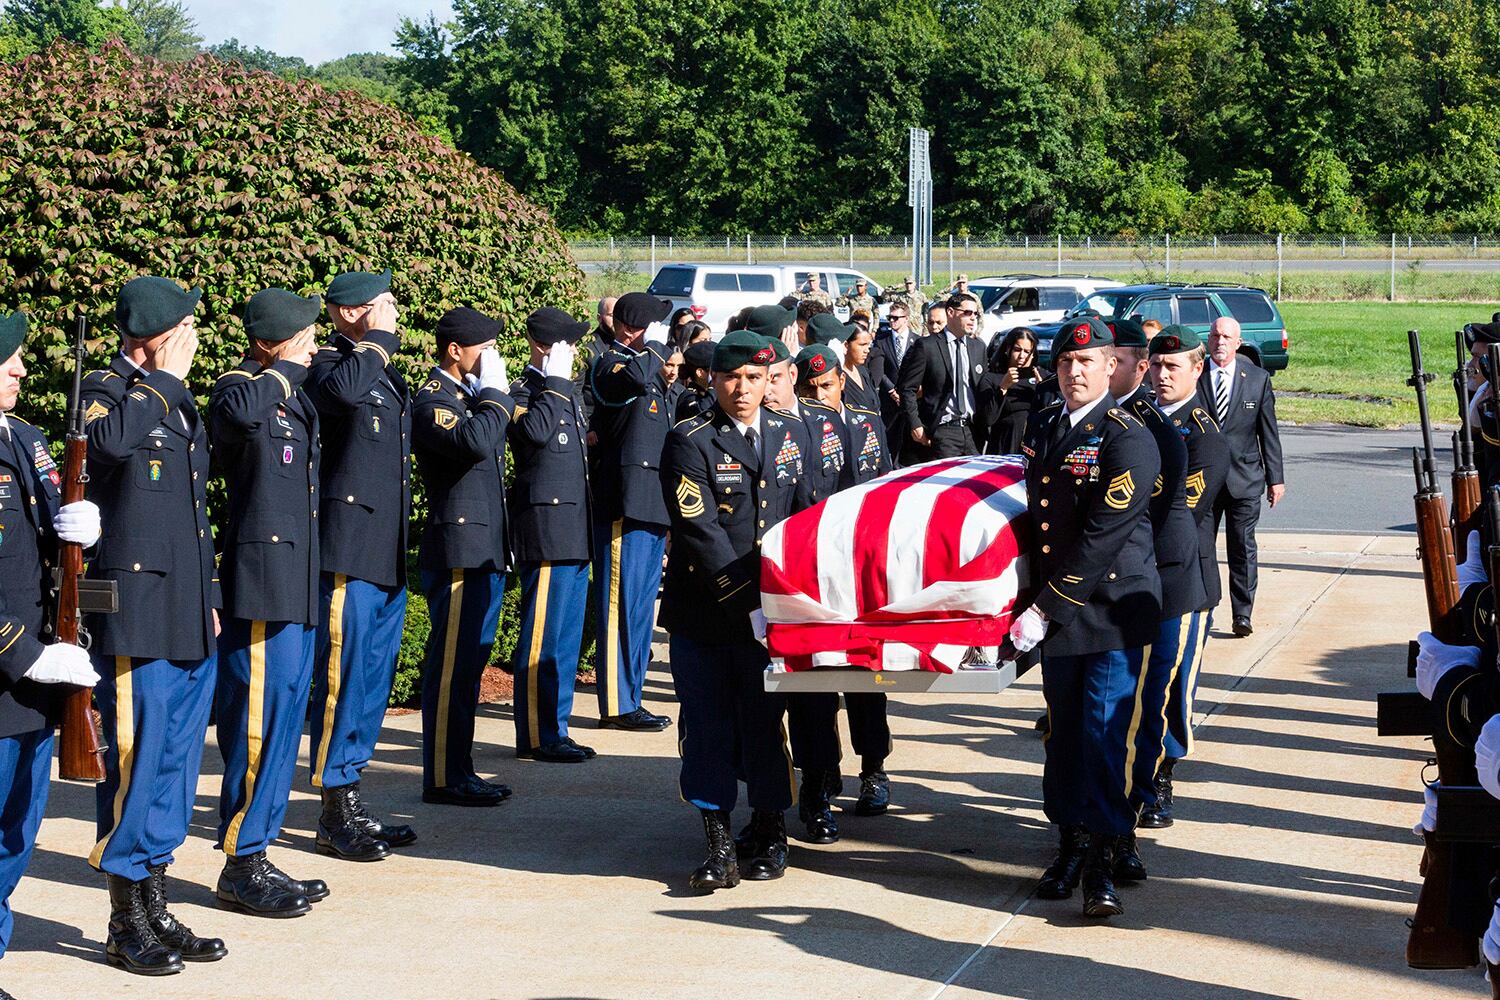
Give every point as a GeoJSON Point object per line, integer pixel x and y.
{"type": "Point", "coordinates": [1060, 429]}
{"type": "Point", "coordinates": [753, 441]}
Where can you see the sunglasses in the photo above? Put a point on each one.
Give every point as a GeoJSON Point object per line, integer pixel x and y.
{"type": "Point", "coordinates": [968, 312]}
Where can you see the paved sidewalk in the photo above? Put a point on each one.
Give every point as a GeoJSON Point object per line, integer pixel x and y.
{"type": "Point", "coordinates": [1289, 872]}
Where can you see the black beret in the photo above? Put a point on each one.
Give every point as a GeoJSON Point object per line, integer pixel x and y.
{"type": "Point", "coordinates": [1482, 333]}
{"type": "Point", "coordinates": [769, 321]}
{"type": "Point", "coordinates": [547, 326]}
{"type": "Point", "coordinates": [12, 333]}
{"type": "Point", "coordinates": [466, 327]}
{"type": "Point", "coordinates": [355, 288]}
{"type": "Point", "coordinates": [699, 355]}
{"type": "Point", "coordinates": [1175, 339]}
{"type": "Point", "coordinates": [815, 361]}
{"type": "Point", "coordinates": [825, 328]}
{"type": "Point", "coordinates": [742, 348]}
{"type": "Point", "coordinates": [638, 310]}
{"type": "Point", "coordinates": [150, 305]}
{"type": "Point", "coordinates": [1128, 333]}
{"type": "Point", "coordinates": [276, 315]}
{"type": "Point", "coordinates": [1081, 334]}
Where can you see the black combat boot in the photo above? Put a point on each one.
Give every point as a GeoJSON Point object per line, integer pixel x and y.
{"type": "Point", "coordinates": [721, 870]}
{"type": "Point", "coordinates": [315, 889]}
{"type": "Point", "coordinates": [132, 945]}
{"type": "Point", "coordinates": [815, 809]}
{"type": "Point", "coordinates": [1128, 864]}
{"type": "Point", "coordinates": [340, 832]}
{"type": "Point", "coordinates": [394, 834]}
{"type": "Point", "coordinates": [1061, 876]}
{"type": "Point", "coordinates": [769, 832]}
{"type": "Point", "coordinates": [874, 793]}
{"type": "Point", "coordinates": [246, 886]}
{"type": "Point", "coordinates": [1160, 815]}
{"type": "Point", "coordinates": [1099, 896]}
{"type": "Point", "coordinates": [171, 931]}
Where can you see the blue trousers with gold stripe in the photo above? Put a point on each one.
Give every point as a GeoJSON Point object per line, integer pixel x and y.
{"type": "Point", "coordinates": [730, 726]}
{"type": "Point", "coordinates": [25, 770]}
{"type": "Point", "coordinates": [359, 637]}
{"type": "Point", "coordinates": [627, 575]}
{"type": "Point", "coordinates": [1094, 704]}
{"type": "Point", "coordinates": [465, 608]}
{"type": "Point", "coordinates": [261, 702]}
{"type": "Point", "coordinates": [1173, 654]}
{"type": "Point", "coordinates": [155, 716]}
{"type": "Point", "coordinates": [1178, 740]}
{"type": "Point", "coordinates": [553, 598]}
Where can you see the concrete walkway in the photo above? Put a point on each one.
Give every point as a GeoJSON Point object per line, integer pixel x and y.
{"type": "Point", "coordinates": [1289, 873]}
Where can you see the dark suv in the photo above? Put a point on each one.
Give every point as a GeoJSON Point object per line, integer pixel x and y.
{"type": "Point", "coordinates": [1196, 307]}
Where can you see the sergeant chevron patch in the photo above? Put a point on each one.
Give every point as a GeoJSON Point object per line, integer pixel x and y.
{"type": "Point", "coordinates": [1121, 491]}
{"type": "Point", "coordinates": [689, 498]}
{"type": "Point", "coordinates": [1196, 484]}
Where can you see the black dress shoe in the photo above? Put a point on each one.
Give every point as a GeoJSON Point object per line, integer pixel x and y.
{"type": "Point", "coordinates": [245, 886]}
{"type": "Point", "coordinates": [132, 943]}
{"type": "Point", "coordinates": [315, 889]}
{"type": "Point", "coordinates": [172, 932]}
{"type": "Point", "coordinates": [494, 787]}
{"type": "Point", "coordinates": [770, 856]}
{"type": "Point", "coordinates": [1159, 816]}
{"type": "Point", "coordinates": [590, 751]}
{"type": "Point", "coordinates": [1241, 627]}
{"type": "Point", "coordinates": [814, 809]}
{"type": "Point", "coordinates": [640, 721]}
{"type": "Point", "coordinates": [469, 792]}
{"type": "Point", "coordinates": [720, 870]}
{"type": "Point", "coordinates": [874, 794]}
{"type": "Point", "coordinates": [1044, 724]}
{"type": "Point", "coordinates": [340, 832]}
{"type": "Point", "coordinates": [1128, 864]}
{"type": "Point", "coordinates": [1062, 875]}
{"type": "Point", "coordinates": [563, 752]}
{"type": "Point", "coordinates": [1099, 896]}
{"type": "Point", "coordinates": [394, 834]}
{"type": "Point", "coordinates": [744, 842]}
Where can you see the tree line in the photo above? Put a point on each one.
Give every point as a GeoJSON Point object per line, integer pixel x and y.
{"type": "Point", "coordinates": [791, 116]}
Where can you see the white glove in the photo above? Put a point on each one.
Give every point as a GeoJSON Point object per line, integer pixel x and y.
{"type": "Point", "coordinates": [78, 522]}
{"type": "Point", "coordinates": [1473, 569]}
{"type": "Point", "coordinates": [1491, 945]}
{"type": "Point", "coordinates": [1029, 629]}
{"type": "Point", "coordinates": [656, 333]}
{"type": "Point", "coordinates": [758, 625]}
{"type": "Point", "coordinates": [491, 370]}
{"type": "Point", "coordinates": [1437, 658]}
{"type": "Point", "coordinates": [559, 361]}
{"type": "Point", "coordinates": [839, 349]}
{"type": "Point", "coordinates": [63, 663]}
{"type": "Point", "coordinates": [1428, 822]}
{"type": "Point", "coordinates": [1487, 756]}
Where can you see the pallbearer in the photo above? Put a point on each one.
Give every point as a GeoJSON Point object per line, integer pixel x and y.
{"type": "Point", "coordinates": [148, 469]}
{"type": "Point", "coordinates": [264, 431]}
{"type": "Point", "coordinates": [550, 524]}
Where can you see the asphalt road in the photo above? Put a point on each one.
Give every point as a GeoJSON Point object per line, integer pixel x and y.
{"type": "Point", "coordinates": [978, 268]}
{"type": "Point", "coordinates": [1350, 479]}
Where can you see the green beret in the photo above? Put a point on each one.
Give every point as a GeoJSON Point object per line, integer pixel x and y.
{"type": "Point", "coordinates": [815, 361]}
{"type": "Point", "coordinates": [742, 348]}
{"type": "Point", "coordinates": [1175, 339]}
{"type": "Point", "coordinates": [12, 333]}
{"type": "Point", "coordinates": [1128, 333]}
{"type": "Point", "coordinates": [355, 288]}
{"type": "Point", "coordinates": [276, 315]}
{"type": "Point", "coordinates": [149, 305]}
{"type": "Point", "coordinates": [1081, 334]}
{"type": "Point", "coordinates": [779, 346]}
{"type": "Point", "coordinates": [769, 321]}
{"type": "Point", "coordinates": [825, 328]}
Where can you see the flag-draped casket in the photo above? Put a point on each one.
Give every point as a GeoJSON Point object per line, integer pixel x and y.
{"type": "Point", "coordinates": [906, 572]}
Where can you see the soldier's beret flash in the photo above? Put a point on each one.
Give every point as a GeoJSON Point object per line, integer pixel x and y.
{"type": "Point", "coordinates": [548, 326]}
{"type": "Point", "coordinates": [467, 328]}
{"type": "Point", "coordinates": [150, 305]}
{"type": "Point", "coordinates": [1081, 334]}
{"type": "Point", "coordinates": [742, 348]}
{"type": "Point", "coordinates": [1128, 333]}
{"type": "Point", "coordinates": [769, 321]}
{"type": "Point", "coordinates": [355, 288]}
{"type": "Point", "coordinates": [276, 315]}
{"type": "Point", "coordinates": [778, 346]}
{"type": "Point", "coordinates": [12, 333]}
{"type": "Point", "coordinates": [825, 328]}
{"type": "Point", "coordinates": [1175, 339]}
{"type": "Point", "coordinates": [699, 355]}
{"type": "Point", "coordinates": [638, 310]}
{"type": "Point", "coordinates": [815, 361]}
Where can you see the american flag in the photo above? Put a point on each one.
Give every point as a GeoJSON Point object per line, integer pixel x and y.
{"type": "Point", "coordinates": [906, 572]}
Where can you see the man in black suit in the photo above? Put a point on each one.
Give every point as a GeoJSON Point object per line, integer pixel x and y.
{"type": "Point", "coordinates": [891, 346]}
{"type": "Point", "coordinates": [939, 407]}
{"type": "Point", "coordinates": [1239, 394]}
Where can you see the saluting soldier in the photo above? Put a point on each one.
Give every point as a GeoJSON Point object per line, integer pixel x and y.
{"type": "Point", "coordinates": [460, 418]}
{"type": "Point", "coordinates": [1177, 358]}
{"type": "Point", "coordinates": [264, 431]}
{"type": "Point", "coordinates": [631, 418]}
{"type": "Point", "coordinates": [148, 472]}
{"type": "Point", "coordinates": [364, 417]}
{"type": "Point", "coordinates": [811, 290]}
{"type": "Point", "coordinates": [1098, 605]}
{"type": "Point", "coordinates": [909, 295]}
{"type": "Point", "coordinates": [32, 663]}
{"type": "Point", "coordinates": [695, 376]}
{"type": "Point", "coordinates": [729, 474]}
{"type": "Point", "coordinates": [860, 298]}
{"type": "Point", "coordinates": [550, 524]}
{"type": "Point", "coordinates": [1183, 596]}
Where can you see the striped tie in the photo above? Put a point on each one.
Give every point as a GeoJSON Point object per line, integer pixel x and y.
{"type": "Point", "coordinates": [1221, 395]}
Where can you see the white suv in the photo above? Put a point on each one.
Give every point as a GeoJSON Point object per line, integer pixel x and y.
{"type": "Point", "coordinates": [716, 292]}
{"type": "Point", "coordinates": [1012, 300]}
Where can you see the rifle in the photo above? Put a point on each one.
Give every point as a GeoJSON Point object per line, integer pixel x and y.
{"type": "Point", "coordinates": [1465, 479]}
{"type": "Point", "coordinates": [80, 756]}
{"type": "Point", "coordinates": [1435, 943]}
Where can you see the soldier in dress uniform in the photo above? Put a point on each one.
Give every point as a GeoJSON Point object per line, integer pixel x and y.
{"type": "Point", "coordinates": [1177, 358]}
{"type": "Point", "coordinates": [459, 421]}
{"type": "Point", "coordinates": [550, 524]}
{"type": "Point", "coordinates": [695, 377]}
{"type": "Point", "coordinates": [264, 431]}
{"type": "Point", "coordinates": [1091, 469]}
{"type": "Point", "coordinates": [729, 474]}
{"type": "Point", "coordinates": [32, 664]}
{"type": "Point", "coordinates": [364, 417]}
{"type": "Point", "coordinates": [148, 472]}
{"type": "Point", "coordinates": [631, 419]}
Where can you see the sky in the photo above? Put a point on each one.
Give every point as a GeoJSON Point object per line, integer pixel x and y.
{"type": "Point", "coordinates": [316, 30]}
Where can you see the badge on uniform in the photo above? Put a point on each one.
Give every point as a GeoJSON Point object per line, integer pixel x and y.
{"type": "Point", "coordinates": [654, 407]}
{"type": "Point", "coordinates": [1121, 491]}
{"type": "Point", "coordinates": [376, 421]}
{"type": "Point", "coordinates": [789, 456]}
{"type": "Point", "coordinates": [286, 455]}
{"type": "Point", "coordinates": [689, 498]}
{"type": "Point", "coordinates": [95, 410]}
{"type": "Point", "coordinates": [446, 419]}
{"type": "Point", "coordinates": [1196, 484]}
{"type": "Point", "coordinates": [869, 455]}
{"type": "Point", "coordinates": [155, 472]}
{"type": "Point", "coordinates": [562, 437]}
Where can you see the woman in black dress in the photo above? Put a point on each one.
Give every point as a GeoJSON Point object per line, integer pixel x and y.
{"type": "Point", "coordinates": [1008, 391]}
{"type": "Point", "coordinates": [860, 386]}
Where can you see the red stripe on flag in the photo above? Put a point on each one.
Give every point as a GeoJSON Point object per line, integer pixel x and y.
{"type": "Point", "coordinates": [872, 533]}
{"type": "Point", "coordinates": [942, 557]}
{"type": "Point", "coordinates": [799, 554]}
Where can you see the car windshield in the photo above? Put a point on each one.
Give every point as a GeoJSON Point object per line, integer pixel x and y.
{"type": "Point", "coordinates": [1103, 303]}
{"type": "Point", "coordinates": [988, 294]}
{"type": "Point", "coordinates": [676, 282]}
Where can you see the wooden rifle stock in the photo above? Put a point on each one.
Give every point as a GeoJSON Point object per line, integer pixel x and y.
{"type": "Point", "coordinates": [80, 754]}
